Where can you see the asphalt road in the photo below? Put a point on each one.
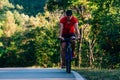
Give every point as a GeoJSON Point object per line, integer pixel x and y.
{"type": "Point", "coordinates": [37, 74]}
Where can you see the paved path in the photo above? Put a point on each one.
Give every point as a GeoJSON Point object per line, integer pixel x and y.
{"type": "Point", "coordinates": [37, 74]}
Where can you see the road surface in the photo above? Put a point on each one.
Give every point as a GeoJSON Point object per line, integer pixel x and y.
{"type": "Point", "coordinates": [37, 74]}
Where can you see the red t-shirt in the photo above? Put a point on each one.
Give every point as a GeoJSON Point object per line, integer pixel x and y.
{"type": "Point", "coordinates": [68, 27]}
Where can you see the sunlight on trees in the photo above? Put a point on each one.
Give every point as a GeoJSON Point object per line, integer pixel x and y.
{"type": "Point", "coordinates": [29, 36]}
{"type": "Point", "coordinates": [9, 26]}
{"type": "Point", "coordinates": [19, 7]}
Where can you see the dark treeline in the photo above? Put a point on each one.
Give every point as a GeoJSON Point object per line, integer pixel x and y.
{"type": "Point", "coordinates": [29, 32]}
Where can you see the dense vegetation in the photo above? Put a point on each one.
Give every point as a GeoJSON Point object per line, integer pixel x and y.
{"type": "Point", "coordinates": [29, 31]}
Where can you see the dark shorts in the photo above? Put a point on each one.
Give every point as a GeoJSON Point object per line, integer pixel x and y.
{"type": "Point", "coordinates": [67, 36]}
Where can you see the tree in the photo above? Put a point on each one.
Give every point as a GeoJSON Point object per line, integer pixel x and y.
{"type": "Point", "coordinates": [106, 29]}
{"type": "Point", "coordinates": [9, 26]}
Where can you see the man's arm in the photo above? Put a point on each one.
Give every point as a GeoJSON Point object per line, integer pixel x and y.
{"type": "Point", "coordinates": [77, 30]}
{"type": "Point", "coordinates": [61, 29]}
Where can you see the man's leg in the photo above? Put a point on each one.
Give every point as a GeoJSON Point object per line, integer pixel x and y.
{"type": "Point", "coordinates": [63, 44]}
{"type": "Point", "coordinates": [73, 46]}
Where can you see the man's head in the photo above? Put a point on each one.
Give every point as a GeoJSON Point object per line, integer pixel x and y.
{"type": "Point", "coordinates": [69, 14]}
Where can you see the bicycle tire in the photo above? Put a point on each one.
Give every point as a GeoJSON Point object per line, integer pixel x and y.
{"type": "Point", "coordinates": [68, 61]}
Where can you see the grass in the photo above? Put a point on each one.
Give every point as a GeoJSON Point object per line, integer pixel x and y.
{"type": "Point", "coordinates": [99, 74]}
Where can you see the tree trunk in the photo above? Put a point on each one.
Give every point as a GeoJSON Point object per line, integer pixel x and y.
{"type": "Point", "coordinates": [91, 57]}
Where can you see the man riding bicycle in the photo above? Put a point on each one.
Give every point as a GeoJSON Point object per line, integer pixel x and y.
{"type": "Point", "coordinates": [68, 29]}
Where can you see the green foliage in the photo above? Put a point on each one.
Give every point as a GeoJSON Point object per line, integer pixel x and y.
{"type": "Point", "coordinates": [107, 30]}
{"type": "Point", "coordinates": [53, 5]}
{"type": "Point", "coordinates": [31, 8]}
{"type": "Point", "coordinates": [28, 32]}
{"type": "Point", "coordinates": [28, 44]}
{"type": "Point", "coordinates": [46, 46]}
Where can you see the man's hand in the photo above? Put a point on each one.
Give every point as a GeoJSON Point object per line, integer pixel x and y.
{"type": "Point", "coordinates": [78, 37]}
{"type": "Point", "coordinates": [60, 37]}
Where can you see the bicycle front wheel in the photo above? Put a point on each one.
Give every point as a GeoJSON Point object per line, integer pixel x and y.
{"type": "Point", "coordinates": [68, 61]}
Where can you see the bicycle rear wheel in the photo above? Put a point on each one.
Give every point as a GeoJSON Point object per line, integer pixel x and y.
{"type": "Point", "coordinates": [68, 61]}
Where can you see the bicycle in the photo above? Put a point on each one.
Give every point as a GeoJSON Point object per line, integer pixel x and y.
{"type": "Point", "coordinates": [68, 55]}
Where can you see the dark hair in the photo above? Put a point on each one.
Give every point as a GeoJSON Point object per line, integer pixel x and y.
{"type": "Point", "coordinates": [69, 12]}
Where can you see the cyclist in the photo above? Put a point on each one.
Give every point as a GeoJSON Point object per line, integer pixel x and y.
{"type": "Point", "coordinates": [68, 29]}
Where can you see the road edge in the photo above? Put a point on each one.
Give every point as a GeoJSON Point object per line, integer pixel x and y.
{"type": "Point", "coordinates": [78, 76]}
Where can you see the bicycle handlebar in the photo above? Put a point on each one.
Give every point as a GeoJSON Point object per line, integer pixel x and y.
{"type": "Point", "coordinates": [69, 39]}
